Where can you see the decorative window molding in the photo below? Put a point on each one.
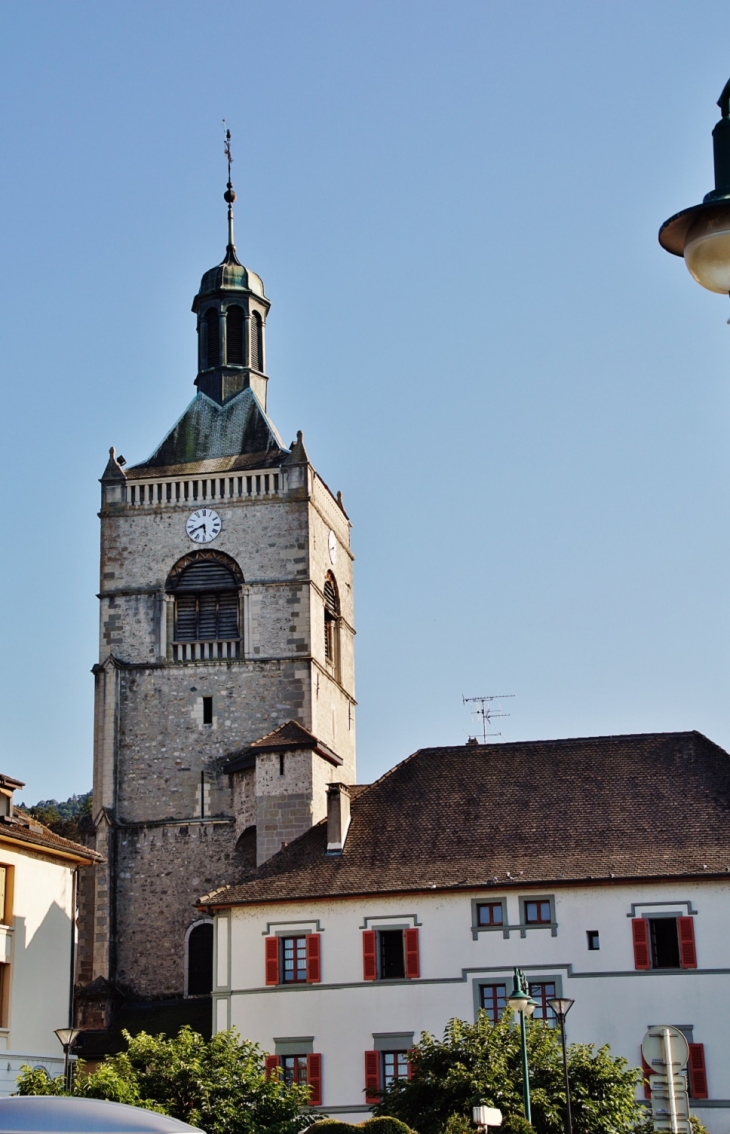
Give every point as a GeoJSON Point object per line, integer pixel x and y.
{"type": "Point", "coordinates": [488, 900]}
{"type": "Point", "coordinates": [552, 924]}
{"type": "Point", "coordinates": [391, 921]}
{"type": "Point", "coordinates": [293, 1045]}
{"type": "Point", "coordinates": [292, 928]}
{"type": "Point", "coordinates": [392, 1041]}
{"type": "Point", "coordinates": [662, 909]}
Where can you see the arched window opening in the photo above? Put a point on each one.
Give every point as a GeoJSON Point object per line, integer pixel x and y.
{"type": "Point", "coordinates": [245, 853]}
{"type": "Point", "coordinates": [206, 603]}
{"type": "Point", "coordinates": [257, 342]}
{"type": "Point", "coordinates": [213, 341]}
{"type": "Point", "coordinates": [331, 619]}
{"type": "Point", "coordinates": [200, 959]}
{"type": "Point", "coordinates": [234, 335]}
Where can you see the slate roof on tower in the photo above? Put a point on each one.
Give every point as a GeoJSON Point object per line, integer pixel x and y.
{"type": "Point", "coordinates": [559, 812]}
{"type": "Point", "coordinates": [208, 431]}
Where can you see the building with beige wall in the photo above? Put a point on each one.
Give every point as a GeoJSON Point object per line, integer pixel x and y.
{"type": "Point", "coordinates": [38, 886]}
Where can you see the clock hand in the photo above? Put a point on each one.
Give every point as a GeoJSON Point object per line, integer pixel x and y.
{"type": "Point", "coordinates": [194, 530]}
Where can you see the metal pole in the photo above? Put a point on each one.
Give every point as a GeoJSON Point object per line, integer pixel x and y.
{"type": "Point", "coordinates": [525, 1070]}
{"type": "Point", "coordinates": [65, 1066]}
{"type": "Point", "coordinates": [669, 1071]}
{"type": "Point", "coordinates": [568, 1114]}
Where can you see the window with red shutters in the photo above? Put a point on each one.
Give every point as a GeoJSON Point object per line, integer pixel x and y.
{"type": "Point", "coordinates": [369, 955]}
{"type": "Point", "coordinates": [372, 1076]}
{"type": "Point", "coordinates": [697, 1071]}
{"type": "Point", "coordinates": [314, 967]}
{"type": "Point", "coordinates": [412, 959]}
{"type": "Point", "coordinates": [687, 949]}
{"type": "Point", "coordinates": [640, 931]}
{"type": "Point", "coordinates": [271, 1066]}
{"type": "Point", "coordinates": [646, 1071]}
{"type": "Point", "coordinates": [271, 945]}
{"type": "Point", "coordinates": [314, 1079]}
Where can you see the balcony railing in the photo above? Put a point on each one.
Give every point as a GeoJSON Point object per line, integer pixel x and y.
{"type": "Point", "coordinates": [206, 651]}
{"type": "Point", "coordinates": [163, 493]}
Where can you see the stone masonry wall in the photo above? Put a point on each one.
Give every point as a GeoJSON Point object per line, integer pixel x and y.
{"type": "Point", "coordinates": [174, 816]}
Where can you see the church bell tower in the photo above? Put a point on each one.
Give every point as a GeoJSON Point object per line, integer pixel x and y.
{"type": "Point", "coordinates": [225, 678]}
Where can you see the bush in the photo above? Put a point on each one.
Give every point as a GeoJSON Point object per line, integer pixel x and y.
{"type": "Point", "coordinates": [218, 1085]}
{"type": "Point", "coordinates": [481, 1063]}
{"type": "Point", "coordinates": [516, 1124]}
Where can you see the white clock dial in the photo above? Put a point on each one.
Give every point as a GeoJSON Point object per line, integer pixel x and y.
{"type": "Point", "coordinates": [332, 544]}
{"type": "Point", "coordinates": [203, 526]}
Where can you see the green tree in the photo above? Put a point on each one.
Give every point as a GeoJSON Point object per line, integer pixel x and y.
{"type": "Point", "coordinates": [218, 1084]}
{"type": "Point", "coordinates": [480, 1063]}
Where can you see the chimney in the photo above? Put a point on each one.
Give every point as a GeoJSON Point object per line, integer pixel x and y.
{"type": "Point", "coordinates": [338, 817]}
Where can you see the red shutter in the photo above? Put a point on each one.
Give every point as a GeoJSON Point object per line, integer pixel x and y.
{"type": "Point", "coordinates": [314, 974]}
{"type": "Point", "coordinates": [697, 1069]}
{"type": "Point", "coordinates": [410, 1065]}
{"type": "Point", "coordinates": [372, 1076]}
{"type": "Point", "coordinates": [272, 960]}
{"type": "Point", "coordinates": [640, 930]}
{"type": "Point", "coordinates": [271, 1066]}
{"type": "Point", "coordinates": [687, 950]}
{"type": "Point", "coordinates": [412, 965]}
{"type": "Point", "coordinates": [314, 1079]}
{"type": "Point", "coordinates": [369, 960]}
{"type": "Point", "coordinates": [647, 1071]}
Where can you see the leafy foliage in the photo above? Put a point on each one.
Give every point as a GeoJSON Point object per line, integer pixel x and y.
{"type": "Point", "coordinates": [371, 1126]}
{"type": "Point", "coordinates": [481, 1063]}
{"type": "Point", "coordinates": [71, 819]}
{"type": "Point", "coordinates": [218, 1085]}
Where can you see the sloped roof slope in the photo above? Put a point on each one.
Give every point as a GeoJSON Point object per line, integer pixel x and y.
{"type": "Point", "coordinates": [579, 810]}
{"type": "Point", "coordinates": [209, 431]}
{"type": "Point", "coordinates": [22, 828]}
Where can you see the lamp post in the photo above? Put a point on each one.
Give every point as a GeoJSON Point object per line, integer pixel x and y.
{"type": "Point", "coordinates": [561, 1006]}
{"type": "Point", "coordinates": [67, 1038]}
{"type": "Point", "coordinates": [521, 1001]}
{"type": "Point", "coordinates": [701, 234]}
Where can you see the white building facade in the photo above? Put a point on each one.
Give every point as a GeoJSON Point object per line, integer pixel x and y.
{"type": "Point", "coordinates": [619, 900]}
{"type": "Point", "coordinates": [38, 878]}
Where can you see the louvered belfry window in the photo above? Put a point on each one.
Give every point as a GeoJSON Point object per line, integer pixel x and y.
{"type": "Point", "coordinates": [331, 618]}
{"type": "Point", "coordinates": [234, 336]}
{"type": "Point", "coordinates": [206, 604]}
{"type": "Point", "coordinates": [257, 342]}
{"type": "Point", "coordinates": [213, 342]}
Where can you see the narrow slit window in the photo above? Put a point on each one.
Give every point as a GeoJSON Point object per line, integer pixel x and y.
{"type": "Point", "coordinates": [212, 329]}
{"type": "Point", "coordinates": [207, 710]}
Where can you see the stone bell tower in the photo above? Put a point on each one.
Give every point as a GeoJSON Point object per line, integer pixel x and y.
{"type": "Point", "coordinates": [225, 679]}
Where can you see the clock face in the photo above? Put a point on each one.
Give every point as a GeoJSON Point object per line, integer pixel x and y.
{"type": "Point", "coordinates": [332, 544]}
{"type": "Point", "coordinates": [203, 526]}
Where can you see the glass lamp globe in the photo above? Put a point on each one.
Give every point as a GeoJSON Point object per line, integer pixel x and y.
{"type": "Point", "coordinates": [707, 251]}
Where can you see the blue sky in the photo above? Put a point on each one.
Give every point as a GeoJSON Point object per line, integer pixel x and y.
{"type": "Point", "coordinates": [524, 400]}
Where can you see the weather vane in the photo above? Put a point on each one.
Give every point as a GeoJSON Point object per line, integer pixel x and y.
{"type": "Point", "coordinates": [229, 196]}
{"type": "Point", "coordinates": [227, 149]}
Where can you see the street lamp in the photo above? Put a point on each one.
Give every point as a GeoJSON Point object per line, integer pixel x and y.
{"type": "Point", "coordinates": [521, 1001]}
{"type": "Point", "coordinates": [702, 233]}
{"type": "Point", "coordinates": [67, 1038]}
{"type": "Point", "coordinates": [561, 1006]}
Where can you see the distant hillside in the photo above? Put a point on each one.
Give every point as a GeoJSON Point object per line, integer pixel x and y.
{"type": "Point", "coordinates": [71, 818]}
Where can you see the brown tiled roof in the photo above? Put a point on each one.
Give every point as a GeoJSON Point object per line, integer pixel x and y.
{"type": "Point", "coordinates": [287, 738]}
{"type": "Point", "coordinates": [534, 813]}
{"type": "Point", "coordinates": [22, 828]}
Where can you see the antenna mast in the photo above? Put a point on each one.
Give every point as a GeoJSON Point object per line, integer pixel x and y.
{"type": "Point", "coordinates": [486, 712]}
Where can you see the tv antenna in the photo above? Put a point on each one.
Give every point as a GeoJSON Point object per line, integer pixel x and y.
{"type": "Point", "coordinates": [487, 711]}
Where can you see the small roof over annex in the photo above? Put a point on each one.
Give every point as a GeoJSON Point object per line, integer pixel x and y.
{"type": "Point", "coordinates": [560, 812]}
{"type": "Point", "coordinates": [289, 737]}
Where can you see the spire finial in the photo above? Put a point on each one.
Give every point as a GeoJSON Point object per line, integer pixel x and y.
{"type": "Point", "coordinates": [229, 194]}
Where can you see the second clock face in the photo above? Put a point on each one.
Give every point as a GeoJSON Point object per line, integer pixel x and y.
{"type": "Point", "coordinates": [203, 526]}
